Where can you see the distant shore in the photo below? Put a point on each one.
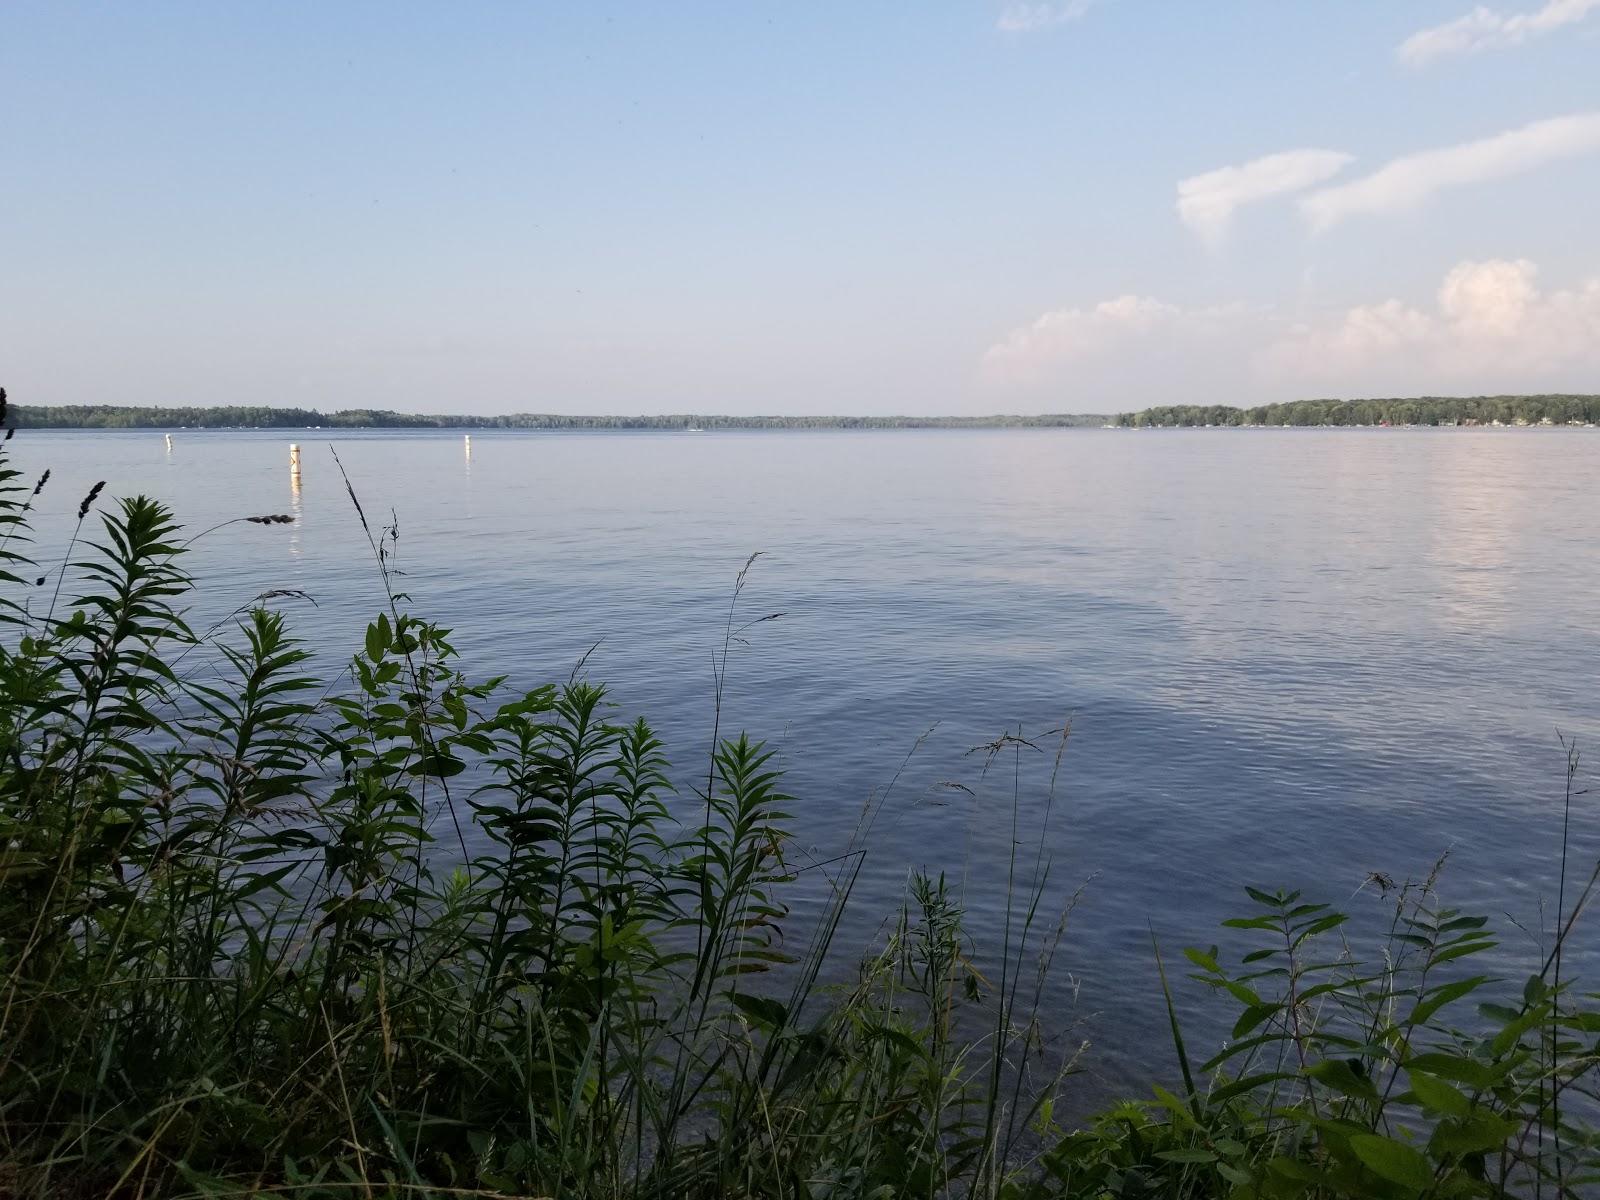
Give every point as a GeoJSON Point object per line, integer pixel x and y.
{"type": "Point", "coordinates": [1510, 410]}
{"type": "Point", "coordinates": [108, 416]}
{"type": "Point", "coordinates": [1524, 410]}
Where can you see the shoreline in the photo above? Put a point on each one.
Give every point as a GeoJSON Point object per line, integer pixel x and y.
{"type": "Point", "coordinates": [1545, 410]}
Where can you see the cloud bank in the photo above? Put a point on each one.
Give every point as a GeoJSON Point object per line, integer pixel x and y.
{"type": "Point", "coordinates": [1409, 181]}
{"type": "Point", "coordinates": [1489, 325]}
{"type": "Point", "coordinates": [1207, 202]}
{"type": "Point", "coordinates": [1067, 335]}
{"type": "Point", "coordinates": [1485, 29]}
{"type": "Point", "coordinates": [1489, 319]}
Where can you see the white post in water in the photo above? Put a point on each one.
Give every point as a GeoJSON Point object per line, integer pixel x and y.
{"type": "Point", "coordinates": [169, 443]}
{"type": "Point", "coordinates": [466, 441]}
{"type": "Point", "coordinates": [294, 463]}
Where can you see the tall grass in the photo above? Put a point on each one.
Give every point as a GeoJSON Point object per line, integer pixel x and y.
{"type": "Point", "coordinates": [232, 964]}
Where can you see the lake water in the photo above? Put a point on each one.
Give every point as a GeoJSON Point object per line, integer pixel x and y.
{"type": "Point", "coordinates": [1288, 657]}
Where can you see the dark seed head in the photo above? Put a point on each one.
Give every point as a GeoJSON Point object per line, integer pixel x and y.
{"type": "Point", "coordinates": [94, 492]}
{"type": "Point", "coordinates": [39, 582]}
{"type": "Point", "coordinates": [43, 479]}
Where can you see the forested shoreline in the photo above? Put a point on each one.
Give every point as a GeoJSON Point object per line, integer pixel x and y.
{"type": "Point", "coordinates": [1544, 409]}
{"type": "Point", "coordinates": [1555, 409]}
{"type": "Point", "coordinates": [116, 416]}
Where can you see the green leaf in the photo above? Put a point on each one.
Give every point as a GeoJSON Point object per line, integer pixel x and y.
{"type": "Point", "coordinates": [1249, 923]}
{"type": "Point", "coordinates": [1461, 950]}
{"type": "Point", "coordinates": [1321, 925]}
{"type": "Point", "coordinates": [1439, 997]}
{"type": "Point", "coordinates": [1186, 1156]}
{"type": "Point", "coordinates": [1240, 1178]}
{"type": "Point", "coordinates": [763, 1011]}
{"type": "Point", "coordinates": [1454, 1067]}
{"type": "Point", "coordinates": [1180, 1111]}
{"type": "Point", "coordinates": [438, 765]}
{"type": "Point", "coordinates": [899, 1037]}
{"type": "Point", "coordinates": [1439, 1096]}
{"type": "Point", "coordinates": [1473, 1135]}
{"type": "Point", "coordinates": [1253, 1016]}
{"type": "Point", "coordinates": [1243, 994]}
{"type": "Point", "coordinates": [270, 879]}
{"type": "Point", "coordinates": [1513, 1033]}
{"type": "Point", "coordinates": [1248, 1083]}
{"type": "Point", "coordinates": [377, 640]}
{"type": "Point", "coordinates": [1206, 962]}
{"type": "Point", "coordinates": [1341, 1077]}
{"type": "Point", "coordinates": [1293, 1168]}
{"type": "Point", "coordinates": [1392, 1160]}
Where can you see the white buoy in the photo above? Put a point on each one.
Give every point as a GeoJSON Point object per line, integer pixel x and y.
{"type": "Point", "coordinates": [467, 442]}
{"type": "Point", "coordinates": [294, 461]}
{"type": "Point", "coordinates": [169, 443]}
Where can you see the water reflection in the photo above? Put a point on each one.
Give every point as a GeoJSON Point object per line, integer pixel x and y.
{"type": "Point", "coordinates": [1472, 522]}
{"type": "Point", "coordinates": [1259, 635]}
{"type": "Point", "coordinates": [296, 509]}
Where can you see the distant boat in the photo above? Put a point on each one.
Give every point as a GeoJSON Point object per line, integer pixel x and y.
{"type": "Point", "coordinates": [694, 429]}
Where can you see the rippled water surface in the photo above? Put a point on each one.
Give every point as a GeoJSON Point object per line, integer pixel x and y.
{"type": "Point", "coordinates": [1287, 657]}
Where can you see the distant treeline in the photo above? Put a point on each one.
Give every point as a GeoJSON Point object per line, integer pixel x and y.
{"type": "Point", "coordinates": [111, 416]}
{"type": "Point", "coordinates": [1420, 410]}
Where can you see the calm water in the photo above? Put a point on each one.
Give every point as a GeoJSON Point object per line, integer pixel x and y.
{"type": "Point", "coordinates": [1288, 657]}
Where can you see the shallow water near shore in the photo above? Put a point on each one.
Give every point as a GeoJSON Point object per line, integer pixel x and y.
{"type": "Point", "coordinates": [1288, 658]}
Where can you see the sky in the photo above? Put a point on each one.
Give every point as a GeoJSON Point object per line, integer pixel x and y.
{"type": "Point", "coordinates": [935, 206]}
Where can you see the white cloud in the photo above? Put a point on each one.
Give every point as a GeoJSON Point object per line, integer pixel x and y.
{"type": "Point", "coordinates": [1489, 299]}
{"type": "Point", "coordinates": [1206, 203]}
{"type": "Point", "coordinates": [1489, 322]}
{"type": "Point", "coordinates": [1124, 343]}
{"type": "Point", "coordinates": [1407, 182]}
{"type": "Point", "coordinates": [1067, 335]}
{"type": "Point", "coordinates": [1488, 327]}
{"type": "Point", "coordinates": [1485, 29]}
{"type": "Point", "coordinates": [1023, 18]}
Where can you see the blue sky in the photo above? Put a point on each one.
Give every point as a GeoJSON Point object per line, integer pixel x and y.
{"type": "Point", "coordinates": [947, 207]}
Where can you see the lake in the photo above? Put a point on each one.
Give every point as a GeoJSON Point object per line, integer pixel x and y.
{"type": "Point", "coordinates": [1289, 657]}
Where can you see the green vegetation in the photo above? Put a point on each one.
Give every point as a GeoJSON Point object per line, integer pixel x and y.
{"type": "Point", "coordinates": [114, 416]}
{"type": "Point", "coordinates": [1423, 410]}
{"type": "Point", "coordinates": [405, 934]}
